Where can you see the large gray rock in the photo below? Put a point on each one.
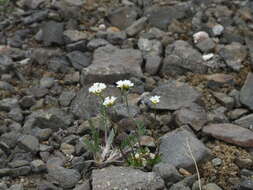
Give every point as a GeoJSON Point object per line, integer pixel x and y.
{"type": "Point", "coordinates": [8, 103]}
{"type": "Point", "coordinates": [180, 58]}
{"type": "Point", "coordinates": [174, 95]}
{"type": "Point", "coordinates": [111, 64]}
{"type": "Point", "coordinates": [125, 178]}
{"type": "Point", "coordinates": [136, 27]}
{"type": "Point", "coordinates": [52, 33]}
{"type": "Point", "coordinates": [234, 54]}
{"type": "Point", "coordinates": [174, 150]}
{"type": "Point", "coordinates": [123, 17]}
{"type": "Point", "coordinates": [246, 92]}
{"type": "Point", "coordinates": [29, 143]}
{"type": "Point", "coordinates": [245, 121]}
{"type": "Point", "coordinates": [53, 118]}
{"type": "Point", "coordinates": [79, 60]}
{"type": "Point", "coordinates": [66, 178]}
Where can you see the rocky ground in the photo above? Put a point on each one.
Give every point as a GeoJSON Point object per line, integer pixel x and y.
{"type": "Point", "coordinates": [196, 54]}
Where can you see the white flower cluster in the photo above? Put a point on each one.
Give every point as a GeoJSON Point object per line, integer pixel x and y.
{"type": "Point", "coordinates": [109, 101]}
{"type": "Point", "coordinates": [97, 88]}
{"type": "Point", "coordinates": [155, 99]}
{"type": "Point", "coordinates": [124, 84]}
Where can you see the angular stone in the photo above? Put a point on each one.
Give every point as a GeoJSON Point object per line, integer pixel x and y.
{"type": "Point", "coordinates": [181, 57]}
{"type": "Point", "coordinates": [246, 92]}
{"type": "Point", "coordinates": [245, 121]}
{"type": "Point", "coordinates": [74, 35]}
{"type": "Point", "coordinates": [79, 60]}
{"type": "Point", "coordinates": [224, 100]}
{"type": "Point", "coordinates": [230, 133]}
{"type": "Point", "coordinates": [29, 143]}
{"type": "Point", "coordinates": [219, 79]}
{"type": "Point", "coordinates": [66, 97]}
{"type": "Point", "coordinates": [194, 115]}
{"type": "Point", "coordinates": [136, 27]}
{"type": "Point", "coordinates": [111, 64]}
{"type": "Point", "coordinates": [125, 178]}
{"type": "Point", "coordinates": [16, 187]}
{"type": "Point", "coordinates": [66, 178]}
{"type": "Point", "coordinates": [206, 46]}
{"type": "Point", "coordinates": [52, 33]}
{"type": "Point", "coordinates": [237, 113]}
{"type": "Point", "coordinates": [123, 17]}
{"type": "Point", "coordinates": [234, 54]}
{"type": "Point", "coordinates": [153, 64]}
{"type": "Point", "coordinates": [96, 43]}
{"type": "Point", "coordinates": [174, 149]}
{"type": "Point", "coordinates": [8, 103]}
{"type": "Point", "coordinates": [150, 47]}
{"type": "Point", "coordinates": [174, 95]}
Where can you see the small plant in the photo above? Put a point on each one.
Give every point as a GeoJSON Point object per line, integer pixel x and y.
{"type": "Point", "coordinates": [130, 149]}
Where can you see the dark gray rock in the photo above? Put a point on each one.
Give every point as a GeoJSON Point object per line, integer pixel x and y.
{"type": "Point", "coordinates": [6, 86]}
{"type": "Point", "coordinates": [16, 187]}
{"type": "Point", "coordinates": [125, 178]}
{"type": "Point", "coordinates": [120, 111]}
{"type": "Point", "coordinates": [79, 60]}
{"type": "Point", "coordinates": [5, 64]}
{"type": "Point", "coordinates": [246, 92]}
{"type": "Point", "coordinates": [38, 166]}
{"type": "Point", "coordinates": [234, 54]}
{"type": "Point", "coordinates": [52, 33]}
{"type": "Point", "coordinates": [245, 121]}
{"type": "Point", "coordinates": [21, 171]}
{"type": "Point", "coordinates": [37, 16]}
{"type": "Point", "coordinates": [123, 17]}
{"type": "Point", "coordinates": [168, 172]}
{"type": "Point", "coordinates": [194, 115]}
{"type": "Point", "coordinates": [116, 38]}
{"type": "Point", "coordinates": [153, 64]}
{"type": "Point", "coordinates": [66, 178]}
{"type": "Point", "coordinates": [74, 36]}
{"type": "Point", "coordinates": [8, 103]}
{"type": "Point", "coordinates": [174, 149]}
{"type": "Point", "coordinates": [136, 27]}
{"type": "Point", "coordinates": [206, 45]}
{"type": "Point", "coordinates": [29, 143]}
{"type": "Point", "coordinates": [111, 64]}
{"type": "Point", "coordinates": [84, 186]}
{"type": "Point", "coordinates": [66, 97]}
{"type": "Point", "coordinates": [59, 64]}
{"type": "Point", "coordinates": [42, 55]}
{"type": "Point", "coordinates": [224, 100]}
{"type": "Point", "coordinates": [246, 184]}
{"type": "Point", "coordinates": [174, 95]}
{"type": "Point", "coordinates": [180, 58]}
{"type": "Point", "coordinates": [150, 47]}
{"type": "Point", "coordinates": [52, 118]}
{"type": "Point", "coordinates": [237, 113]}
{"type": "Point", "coordinates": [16, 114]}
{"type": "Point", "coordinates": [179, 186]}
{"type": "Point", "coordinates": [96, 43]}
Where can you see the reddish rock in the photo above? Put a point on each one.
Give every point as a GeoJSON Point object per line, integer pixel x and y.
{"type": "Point", "coordinates": [230, 133]}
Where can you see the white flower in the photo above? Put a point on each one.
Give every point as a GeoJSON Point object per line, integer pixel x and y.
{"type": "Point", "coordinates": [97, 88]}
{"type": "Point", "coordinates": [137, 155]}
{"type": "Point", "coordinates": [155, 99]}
{"type": "Point", "coordinates": [124, 84]}
{"type": "Point", "coordinates": [152, 156]}
{"type": "Point", "coordinates": [109, 101]}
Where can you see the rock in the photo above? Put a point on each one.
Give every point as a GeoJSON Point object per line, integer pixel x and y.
{"type": "Point", "coordinates": [243, 162]}
{"type": "Point", "coordinates": [67, 148]}
{"type": "Point", "coordinates": [66, 178]}
{"type": "Point", "coordinates": [38, 166]}
{"type": "Point", "coordinates": [153, 64]}
{"type": "Point", "coordinates": [84, 186]}
{"type": "Point", "coordinates": [161, 17]}
{"type": "Point", "coordinates": [125, 178]}
{"type": "Point", "coordinates": [217, 29]}
{"type": "Point", "coordinates": [47, 186]}
{"type": "Point", "coordinates": [212, 186]}
{"type": "Point", "coordinates": [3, 186]}
{"type": "Point", "coordinates": [111, 64]}
{"type": "Point", "coordinates": [150, 47]}
{"type": "Point", "coordinates": [66, 97]}
{"type": "Point", "coordinates": [29, 143]}
{"type": "Point", "coordinates": [216, 161]}
{"type": "Point", "coordinates": [218, 80]}
{"type": "Point", "coordinates": [52, 33]}
{"type": "Point", "coordinates": [224, 100]}
{"type": "Point", "coordinates": [168, 172]}
{"type": "Point", "coordinates": [180, 58]}
{"type": "Point", "coordinates": [123, 17]}
{"type": "Point", "coordinates": [249, 43]}
{"type": "Point", "coordinates": [42, 55]}
{"type": "Point", "coordinates": [96, 43]}
{"type": "Point", "coordinates": [174, 95]}
{"type": "Point", "coordinates": [136, 27]}
{"type": "Point", "coordinates": [47, 82]}
{"type": "Point", "coordinates": [194, 115]}
{"type": "Point", "coordinates": [179, 186]}
{"type": "Point", "coordinates": [52, 118]}
{"type": "Point", "coordinates": [218, 115]}
{"type": "Point", "coordinates": [6, 86]}
{"type": "Point", "coordinates": [5, 64]}
{"type": "Point", "coordinates": [74, 35]}
{"type": "Point", "coordinates": [206, 46]}
{"type": "Point", "coordinates": [230, 133]}
{"type": "Point", "coordinates": [246, 184]}
{"type": "Point", "coordinates": [237, 113]}
{"type": "Point", "coordinates": [18, 163]}
{"type": "Point", "coordinates": [79, 60]}
{"type": "Point", "coordinates": [59, 64]}
{"type": "Point", "coordinates": [245, 121]}
{"type": "Point", "coordinates": [16, 114]}
{"type": "Point", "coordinates": [116, 38]}
{"type": "Point", "coordinates": [234, 54]}
{"type": "Point", "coordinates": [200, 36]}
{"type": "Point", "coordinates": [21, 171]}
{"type": "Point", "coordinates": [246, 92]}
{"type": "Point", "coordinates": [16, 187]}
{"type": "Point", "coordinates": [8, 103]}
{"type": "Point", "coordinates": [173, 149]}
{"type": "Point", "coordinates": [121, 111]}
{"type": "Point", "coordinates": [37, 16]}
{"type": "Point", "coordinates": [208, 56]}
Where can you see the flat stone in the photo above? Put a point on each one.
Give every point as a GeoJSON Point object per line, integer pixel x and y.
{"type": "Point", "coordinates": [74, 35]}
{"type": "Point", "coordinates": [245, 121]}
{"type": "Point", "coordinates": [8, 103]}
{"type": "Point", "coordinates": [16, 187]}
{"type": "Point", "coordinates": [66, 178]}
{"type": "Point", "coordinates": [206, 46]}
{"type": "Point", "coordinates": [52, 33]}
{"type": "Point", "coordinates": [246, 92]}
{"type": "Point", "coordinates": [212, 186]}
{"type": "Point", "coordinates": [237, 113]}
{"type": "Point", "coordinates": [194, 115]}
{"type": "Point", "coordinates": [219, 79]}
{"type": "Point", "coordinates": [174, 95]}
{"type": "Point", "coordinates": [153, 64]}
{"type": "Point", "coordinates": [174, 150]}
{"type": "Point", "coordinates": [29, 143]}
{"type": "Point", "coordinates": [79, 60]}
{"type": "Point", "coordinates": [111, 64]}
{"type": "Point", "coordinates": [125, 178]}
{"type": "Point", "coordinates": [150, 47]}
{"type": "Point", "coordinates": [230, 133]}
{"type": "Point", "coordinates": [224, 100]}
{"type": "Point", "coordinates": [66, 97]}
{"type": "Point", "coordinates": [136, 27]}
